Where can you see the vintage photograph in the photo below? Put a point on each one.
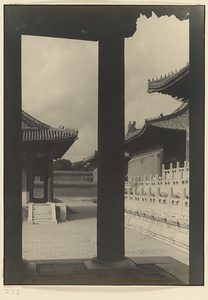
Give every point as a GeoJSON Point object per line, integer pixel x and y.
{"type": "Point", "coordinates": [104, 119]}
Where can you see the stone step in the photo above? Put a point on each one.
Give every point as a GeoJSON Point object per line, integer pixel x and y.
{"type": "Point", "coordinates": [42, 212]}
{"type": "Point", "coordinates": [41, 209]}
{"type": "Point", "coordinates": [43, 218]}
{"type": "Point", "coordinates": [41, 205]}
{"type": "Point", "coordinates": [39, 215]}
{"type": "Point", "coordinates": [42, 222]}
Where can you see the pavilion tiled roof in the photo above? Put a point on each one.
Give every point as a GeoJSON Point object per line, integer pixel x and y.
{"type": "Point", "coordinates": [35, 131]}
{"type": "Point", "coordinates": [175, 84]}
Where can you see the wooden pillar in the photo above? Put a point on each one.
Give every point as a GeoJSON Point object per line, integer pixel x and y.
{"type": "Point", "coordinates": [110, 211]}
{"type": "Point", "coordinates": [30, 179]}
{"type": "Point", "coordinates": [187, 144]}
{"type": "Point", "coordinates": [45, 182]}
{"type": "Point", "coordinates": [24, 186]}
{"type": "Point", "coordinates": [12, 153]}
{"type": "Point", "coordinates": [50, 180]}
{"type": "Point", "coordinates": [196, 145]}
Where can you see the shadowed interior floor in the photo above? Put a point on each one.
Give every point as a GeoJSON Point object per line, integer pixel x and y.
{"type": "Point", "coordinates": [164, 271]}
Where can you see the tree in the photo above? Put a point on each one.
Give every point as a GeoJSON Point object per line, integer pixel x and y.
{"type": "Point", "coordinates": [62, 165]}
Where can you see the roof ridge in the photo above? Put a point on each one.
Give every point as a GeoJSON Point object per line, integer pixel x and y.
{"type": "Point", "coordinates": [34, 121]}
{"type": "Point", "coordinates": [170, 75]}
{"type": "Point", "coordinates": [64, 129]}
{"type": "Point", "coordinates": [38, 125]}
{"type": "Point", "coordinates": [183, 107]}
{"type": "Point", "coordinates": [135, 133]}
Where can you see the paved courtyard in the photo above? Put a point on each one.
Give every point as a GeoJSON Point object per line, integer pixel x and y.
{"type": "Point", "coordinates": [61, 254]}
{"type": "Point", "coordinates": [76, 239]}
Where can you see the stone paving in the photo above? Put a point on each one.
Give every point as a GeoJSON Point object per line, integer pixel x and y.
{"type": "Point", "coordinates": [71, 239]}
{"type": "Point", "coordinates": [77, 238]}
{"type": "Point", "coordinates": [72, 242]}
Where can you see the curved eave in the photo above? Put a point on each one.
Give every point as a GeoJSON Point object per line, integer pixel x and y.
{"type": "Point", "coordinates": [175, 121]}
{"type": "Point", "coordinates": [148, 130]}
{"type": "Point", "coordinates": [50, 141]}
{"type": "Point", "coordinates": [57, 148]}
{"type": "Point", "coordinates": [47, 136]}
{"type": "Point", "coordinates": [154, 138]}
{"type": "Point", "coordinates": [61, 148]}
{"type": "Point", "coordinates": [135, 135]}
{"type": "Point", "coordinates": [176, 85]}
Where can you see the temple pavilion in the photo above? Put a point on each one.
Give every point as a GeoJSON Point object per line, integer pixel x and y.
{"type": "Point", "coordinates": [41, 144]}
{"type": "Point", "coordinates": [163, 139]}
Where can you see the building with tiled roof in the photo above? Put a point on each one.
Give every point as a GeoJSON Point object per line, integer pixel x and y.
{"type": "Point", "coordinates": [163, 139]}
{"type": "Point", "coordinates": [41, 144]}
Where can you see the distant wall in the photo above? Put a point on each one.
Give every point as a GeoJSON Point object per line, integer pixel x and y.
{"type": "Point", "coordinates": [146, 164]}
{"type": "Point", "coordinates": [69, 189]}
{"type": "Point", "coordinates": [75, 189]}
{"type": "Point", "coordinates": [72, 176]}
{"type": "Point", "coordinates": [70, 184]}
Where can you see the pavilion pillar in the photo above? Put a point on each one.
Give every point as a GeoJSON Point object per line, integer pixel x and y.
{"type": "Point", "coordinates": [50, 180]}
{"type": "Point", "coordinates": [30, 179]}
{"type": "Point", "coordinates": [187, 145]}
{"type": "Point", "coordinates": [25, 193]}
{"type": "Point", "coordinates": [12, 153]}
{"type": "Point", "coordinates": [110, 210]}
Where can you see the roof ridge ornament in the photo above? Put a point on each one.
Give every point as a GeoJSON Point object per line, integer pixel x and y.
{"type": "Point", "coordinates": [131, 127]}
{"type": "Point", "coordinates": [169, 74]}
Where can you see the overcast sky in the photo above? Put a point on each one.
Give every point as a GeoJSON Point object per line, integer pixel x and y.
{"type": "Point", "coordinates": [60, 78]}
